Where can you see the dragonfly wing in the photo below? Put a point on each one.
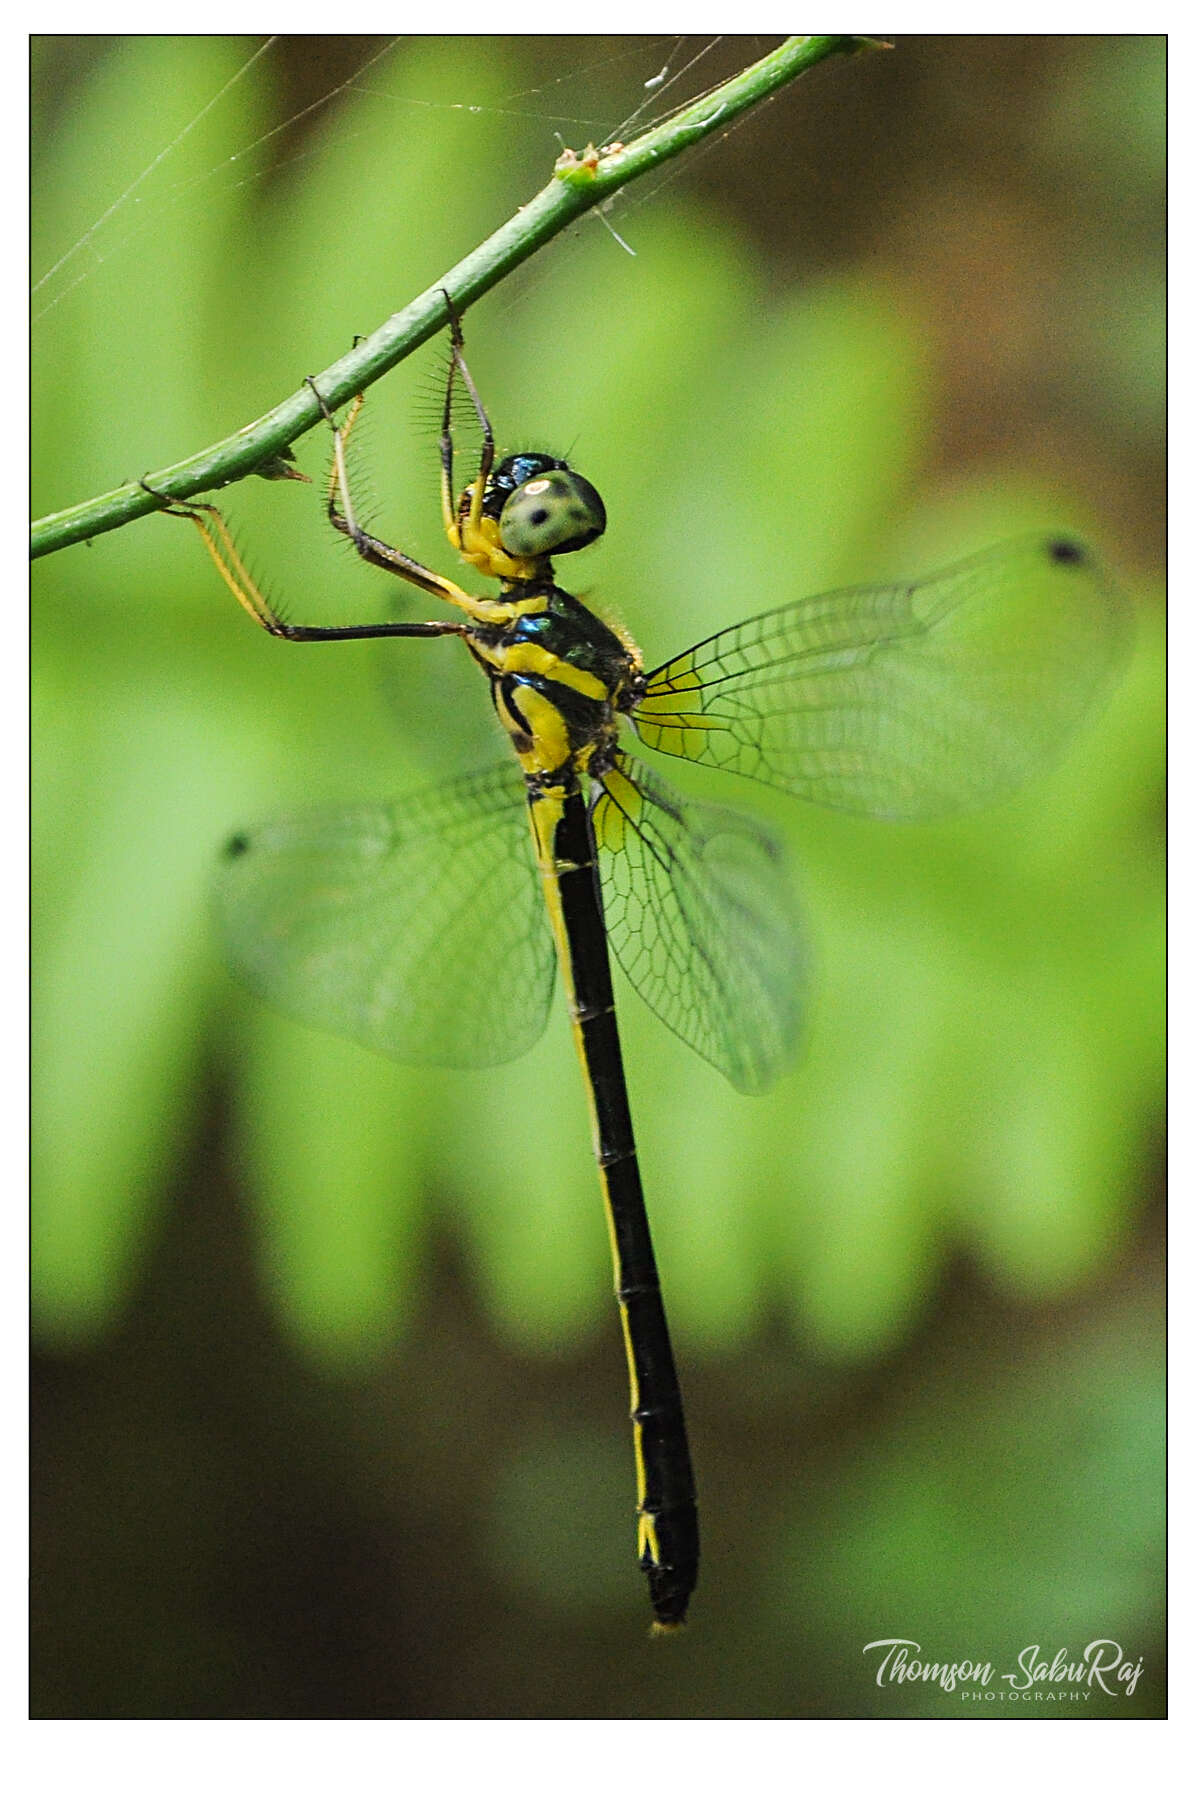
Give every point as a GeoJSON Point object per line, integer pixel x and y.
{"type": "Point", "coordinates": [702, 918]}
{"type": "Point", "coordinates": [906, 701]}
{"type": "Point", "coordinates": [417, 927]}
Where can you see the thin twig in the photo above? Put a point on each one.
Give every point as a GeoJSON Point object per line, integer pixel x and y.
{"type": "Point", "coordinates": [579, 182]}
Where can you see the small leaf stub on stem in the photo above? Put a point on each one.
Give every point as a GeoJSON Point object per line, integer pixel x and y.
{"type": "Point", "coordinates": [584, 162]}
{"type": "Point", "coordinates": [280, 467]}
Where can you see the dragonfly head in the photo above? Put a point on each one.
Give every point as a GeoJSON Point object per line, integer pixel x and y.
{"type": "Point", "coordinates": [542, 506]}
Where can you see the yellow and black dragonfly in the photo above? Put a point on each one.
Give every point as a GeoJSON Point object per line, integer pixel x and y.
{"type": "Point", "coordinates": [900, 702]}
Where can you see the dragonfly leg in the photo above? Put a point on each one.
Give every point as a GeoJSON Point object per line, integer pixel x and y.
{"type": "Point", "coordinates": [210, 523]}
{"type": "Point", "coordinates": [340, 509]}
{"type": "Point", "coordinates": [218, 541]}
{"type": "Point", "coordinates": [488, 453]}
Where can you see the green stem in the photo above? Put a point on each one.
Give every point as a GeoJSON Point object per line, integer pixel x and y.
{"type": "Point", "coordinates": [578, 183]}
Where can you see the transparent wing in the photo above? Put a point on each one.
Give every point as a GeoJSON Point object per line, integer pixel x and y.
{"type": "Point", "coordinates": [904, 701]}
{"type": "Point", "coordinates": [417, 928]}
{"type": "Point", "coordinates": [701, 916]}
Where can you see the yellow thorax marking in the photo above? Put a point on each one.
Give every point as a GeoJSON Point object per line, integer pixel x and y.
{"type": "Point", "coordinates": [551, 746]}
{"type": "Point", "coordinates": [535, 659]}
{"type": "Point", "coordinates": [477, 540]}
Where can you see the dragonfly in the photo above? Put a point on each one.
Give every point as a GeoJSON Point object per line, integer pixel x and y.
{"type": "Point", "coordinates": [431, 929]}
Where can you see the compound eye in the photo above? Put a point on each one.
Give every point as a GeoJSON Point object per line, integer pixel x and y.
{"type": "Point", "coordinates": [550, 514]}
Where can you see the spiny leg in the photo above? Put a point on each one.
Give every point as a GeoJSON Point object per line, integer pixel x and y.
{"type": "Point", "coordinates": [218, 541]}
{"type": "Point", "coordinates": [340, 510]}
{"type": "Point", "coordinates": [488, 453]}
{"type": "Point", "coordinates": [446, 442]}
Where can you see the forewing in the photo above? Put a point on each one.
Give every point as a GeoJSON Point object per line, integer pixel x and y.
{"type": "Point", "coordinates": [702, 918]}
{"type": "Point", "coordinates": [905, 701]}
{"type": "Point", "coordinates": [416, 927]}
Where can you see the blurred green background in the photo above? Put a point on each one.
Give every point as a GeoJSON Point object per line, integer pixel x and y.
{"type": "Point", "coordinates": [328, 1391]}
